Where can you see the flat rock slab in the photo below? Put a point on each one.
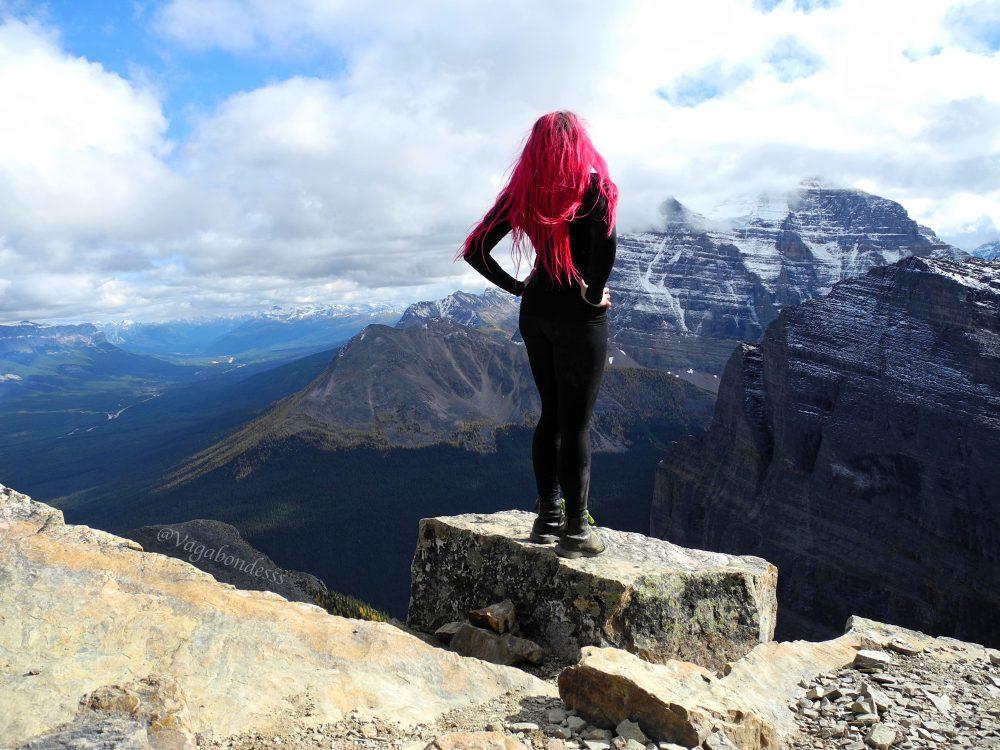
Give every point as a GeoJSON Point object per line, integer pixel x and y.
{"type": "Point", "coordinates": [81, 609]}
{"type": "Point", "coordinates": [647, 596]}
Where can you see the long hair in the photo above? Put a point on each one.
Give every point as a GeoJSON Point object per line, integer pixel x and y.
{"type": "Point", "coordinates": [545, 191]}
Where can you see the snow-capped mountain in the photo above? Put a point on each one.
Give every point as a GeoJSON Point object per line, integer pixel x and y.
{"type": "Point", "coordinates": [685, 294]}
{"type": "Point", "coordinates": [493, 308]}
{"type": "Point", "coordinates": [988, 251]}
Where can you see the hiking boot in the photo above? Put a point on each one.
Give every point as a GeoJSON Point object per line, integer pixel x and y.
{"type": "Point", "coordinates": [550, 522]}
{"type": "Point", "coordinates": [579, 540]}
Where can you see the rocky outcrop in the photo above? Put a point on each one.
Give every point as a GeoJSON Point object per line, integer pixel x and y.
{"type": "Point", "coordinates": [766, 700]}
{"type": "Point", "coordinates": [82, 609]}
{"type": "Point", "coordinates": [687, 293]}
{"type": "Point", "coordinates": [855, 447]}
{"type": "Point", "coordinates": [218, 548]}
{"type": "Point", "coordinates": [649, 597]}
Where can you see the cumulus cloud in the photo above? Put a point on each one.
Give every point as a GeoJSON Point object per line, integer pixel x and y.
{"type": "Point", "coordinates": [361, 187]}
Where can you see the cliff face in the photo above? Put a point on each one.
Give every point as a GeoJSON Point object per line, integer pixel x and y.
{"type": "Point", "coordinates": [685, 295]}
{"type": "Point", "coordinates": [856, 448]}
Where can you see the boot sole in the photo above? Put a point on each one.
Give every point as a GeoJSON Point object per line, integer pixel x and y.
{"type": "Point", "coordinates": [573, 554]}
{"type": "Point", "coordinates": [543, 538]}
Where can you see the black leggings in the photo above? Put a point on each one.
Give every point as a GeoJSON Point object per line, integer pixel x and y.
{"type": "Point", "coordinates": [567, 360]}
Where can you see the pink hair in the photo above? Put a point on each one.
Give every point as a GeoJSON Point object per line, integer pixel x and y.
{"type": "Point", "coordinates": [545, 191]}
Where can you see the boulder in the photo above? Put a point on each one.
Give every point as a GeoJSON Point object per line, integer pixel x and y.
{"type": "Point", "coordinates": [82, 609]}
{"type": "Point", "coordinates": [646, 596]}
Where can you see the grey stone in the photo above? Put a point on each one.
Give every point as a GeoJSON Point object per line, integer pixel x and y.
{"type": "Point", "coordinates": [447, 631]}
{"type": "Point", "coordinates": [881, 737]}
{"type": "Point", "coordinates": [868, 659]}
{"type": "Point", "coordinates": [575, 723]}
{"type": "Point", "coordinates": [560, 732]}
{"type": "Point", "coordinates": [556, 715]}
{"type": "Point", "coordinates": [522, 727]}
{"type": "Point", "coordinates": [630, 731]}
{"type": "Point", "coordinates": [647, 596]}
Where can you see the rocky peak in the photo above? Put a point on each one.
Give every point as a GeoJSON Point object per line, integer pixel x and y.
{"type": "Point", "coordinates": [677, 216]}
{"type": "Point", "coordinates": [202, 664]}
{"type": "Point", "coordinates": [493, 308]}
{"type": "Point", "coordinates": [685, 296]}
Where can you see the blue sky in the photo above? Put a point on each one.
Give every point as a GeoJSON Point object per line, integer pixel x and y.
{"type": "Point", "coordinates": [170, 158]}
{"type": "Point", "coordinates": [122, 36]}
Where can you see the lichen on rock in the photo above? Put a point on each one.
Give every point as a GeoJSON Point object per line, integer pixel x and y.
{"type": "Point", "coordinates": [643, 595]}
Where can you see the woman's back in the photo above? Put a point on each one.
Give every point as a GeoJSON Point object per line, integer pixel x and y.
{"type": "Point", "coordinates": [593, 252]}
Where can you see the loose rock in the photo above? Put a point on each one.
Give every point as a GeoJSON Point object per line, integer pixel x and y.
{"type": "Point", "coordinates": [499, 618]}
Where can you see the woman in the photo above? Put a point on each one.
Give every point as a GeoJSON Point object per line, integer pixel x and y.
{"type": "Point", "coordinates": [567, 211]}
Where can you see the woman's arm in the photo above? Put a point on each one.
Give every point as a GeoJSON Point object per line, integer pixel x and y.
{"type": "Point", "coordinates": [601, 258]}
{"type": "Point", "coordinates": [481, 258]}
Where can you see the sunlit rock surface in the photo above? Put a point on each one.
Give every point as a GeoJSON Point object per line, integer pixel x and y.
{"type": "Point", "coordinates": [81, 609]}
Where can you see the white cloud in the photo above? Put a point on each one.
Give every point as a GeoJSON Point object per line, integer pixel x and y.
{"type": "Point", "coordinates": [361, 187]}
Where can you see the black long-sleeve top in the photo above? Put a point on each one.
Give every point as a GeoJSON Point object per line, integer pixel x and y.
{"type": "Point", "coordinates": [593, 251]}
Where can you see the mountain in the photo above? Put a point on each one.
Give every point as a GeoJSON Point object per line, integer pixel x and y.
{"type": "Point", "coordinates": [277, 333]}
{"type": "Point", "coordinates": [48, 358]}
{"type": "Point", "coordinates": [988, 251]}
{"type": "Point", "coordinates": [440, 382]}
{"type": "Point", "coordinates": [856, 448]}
{"type": "Point", "coordinates": [687, 293]}
{"type": "Point", "coordinates": [493, 308]}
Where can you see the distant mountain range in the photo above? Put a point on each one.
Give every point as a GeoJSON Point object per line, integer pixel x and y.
{"type": "Point", "coordinates": [44, 360]}
{"type": "Point", "coordinates": [442, 383]}
{"type": "Point", "coordinates": [273, 334]}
